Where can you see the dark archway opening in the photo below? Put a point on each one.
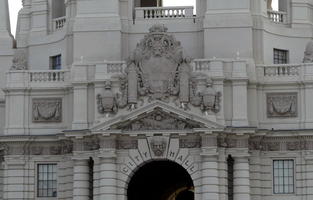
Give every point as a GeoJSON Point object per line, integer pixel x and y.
{"type": "Point", "coordinates": [161, 180]}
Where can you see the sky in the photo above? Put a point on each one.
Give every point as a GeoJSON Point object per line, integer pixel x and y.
{"type": "Point", "coordinates": [16, 5]}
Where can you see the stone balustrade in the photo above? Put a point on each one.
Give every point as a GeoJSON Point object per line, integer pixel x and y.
{"type": "Point", "coordinates": [59, 23]}
{"type": "Point", "coordinates": [164, 12]}
{"type": "Point", "coordinates": [277, 16]}
{"type": "Point", "coordinates": [199, 65]}
{"type": "Point", "coordinates": [284, 72]}
{"type": "Point", "coordinates": [48, 76]}
{"type": "Point", "coordinates": [115, 66]}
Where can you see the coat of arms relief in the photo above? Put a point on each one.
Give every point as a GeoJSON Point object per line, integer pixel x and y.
{"type": "Point", "coordinates": [158, 70]}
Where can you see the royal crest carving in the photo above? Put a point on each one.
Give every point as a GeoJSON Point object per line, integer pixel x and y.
{"type": "Point", "coordinates": [47, 110]}
{"type": "Point", "coordinates": [157, 120]}
{"type": "Point", "coordinates": [282, 105]}
{"type": "Point", "coordinates": [19, 60]}
{"type": "Point", "coordinates": [107, 101]}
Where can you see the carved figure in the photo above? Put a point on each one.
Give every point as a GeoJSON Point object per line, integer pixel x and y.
{"type": "Point", "coordinates": [19, 60]}
{"type": "Point", "coordinates": [47, 110]}
{"type": "Point", "coordinates": [308, 54]}
{"type": "Point", "coordinates": [107, 102]}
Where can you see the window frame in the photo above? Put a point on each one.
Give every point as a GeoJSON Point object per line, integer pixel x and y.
{"type": "Point", "coordinates": [280, 51]}
{"type": "Point", "coordinates": [284, 177]}
{"type": "Point", "coordinates": [52, 66]}
{"type": "Point", "coordinates": [37, 180]}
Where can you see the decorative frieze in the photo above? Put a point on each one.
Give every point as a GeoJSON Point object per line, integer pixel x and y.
{"type": "Point", "coordinates": [127, 143]}
{"type": "Point", "coordinates": [47, 110]}
{"type": "Point", "coordinates": [190, 142]}
{"type": "Point", "coordinates": [281, 105]}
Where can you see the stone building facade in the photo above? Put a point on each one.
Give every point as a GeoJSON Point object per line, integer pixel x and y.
{"type": "Point", "coordinates": [128, 99]}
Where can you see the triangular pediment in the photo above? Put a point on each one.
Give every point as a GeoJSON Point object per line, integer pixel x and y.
{"type": "Point", "coordinates": [156, 116]}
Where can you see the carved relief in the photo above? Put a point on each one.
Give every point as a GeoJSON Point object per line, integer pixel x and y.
{"type": "Point", "coordinates": [19, 60]}
{"type": "Point", "coordinates": [47, 110]}
{"type": "Point", "coordinates": [158, 70]}
{"type": "Point", "coordinates": [107, 101]}
{"type": "Point", "coordinates": [158, 146]}
{"type": "Point", "coordinates": [282, 105]}
{"type": "Point", "coordinates": [127, 143]}
{"type": "Point", "coordinates": [204, 96]}
{"type": "Point", "coordinates": [157, 120]}
{"type": "Point", "coordinates": [190, 142]}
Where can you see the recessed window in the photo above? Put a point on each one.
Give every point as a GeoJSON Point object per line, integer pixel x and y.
{"type": "Point", "coordinates": [55, 62]}
{"type": "Point", "coordinates": [280, 56]}
{"type": "Point", "coordinates": [283, 175]}
{"type": "Point", "coordinates": [58, 9]}
{"type": "Point", "coordinates": [47, 180]}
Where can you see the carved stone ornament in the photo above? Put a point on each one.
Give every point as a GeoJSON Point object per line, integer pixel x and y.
{"type": "Point", "coordinates": [47, 110]}
{"type": "Point", "coordinates": [203, 94]}
{"type": "Point", "coordinates": [282, 105]}
{"type": "Point", "coordinates": [158, 146]}
{"type": "Point", "coordinates": [308, 54]}
{"type": "Point", "coordinates": [19, 60]}
{"type": "Point", "coordinates": [157, 120]}
{"type": "Point", "coordinates": [127, 143]}
{"type": "Point", "coordinates": [190, 142]}
{"type": "Point", "coordinates": [107, 102]}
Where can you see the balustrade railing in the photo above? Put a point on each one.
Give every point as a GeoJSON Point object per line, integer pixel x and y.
{"type": "Point", "coordinates": [277, 16]}
{"type": "Point", "coordinates": [59, 23]}
{"type": "Point", "coordinates": [115, 67]}
{"type": "Point", "coordinates": [50, 76]}
{"type": "Point", "coordinates": [283, 70]}
{"type": "Point", "coordinates": [164, 12]}
{"type": "Point", "coordinates": [200, 65]}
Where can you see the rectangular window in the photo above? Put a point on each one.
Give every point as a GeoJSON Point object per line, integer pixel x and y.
{"type": "Point", "coordinates": [283, 176]}
{"type": "Point", "coordinates": [55, 62]}
{"type": "Point", "coordinates": [280, 56]}
{"type": "Point", "coordinates": [47, 180]}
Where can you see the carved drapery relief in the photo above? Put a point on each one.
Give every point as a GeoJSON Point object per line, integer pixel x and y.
{"type": "Point", "coordinates": [127, 143]}
{"type": "Point", "coordinates": [158, 70]}
{"type": "Point", "coordinates": [281, 105]}
{"type": "Point", "coordinates": [190, 142]}
{"type": "Point", "coordinates": [19, 60]}
{"type": "Point", "coordinates": [157, 120]}
{"type": "Point", "coordinates": [47, 110]}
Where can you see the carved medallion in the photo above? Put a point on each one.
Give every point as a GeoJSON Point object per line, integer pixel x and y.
{"type": "Point", "coordinates": [158, 146]}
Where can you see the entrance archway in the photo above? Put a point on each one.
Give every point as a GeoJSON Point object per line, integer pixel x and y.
{"type": "Point", "coordinates": [161, 180]}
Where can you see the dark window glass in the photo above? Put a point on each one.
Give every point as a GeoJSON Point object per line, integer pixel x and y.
{"type": "Point", "coordinates": [230, 177]}
{"type": "Point", "coordinates": [56, 62]}
{"type": "Point", "coordinates": [91, 171]}
{"type": "Point", "coordinates": [280, 56]}
{"type": "Point", "coordinates": [283, 176]}
{"type": "Point", "coordinates": [47, 180]}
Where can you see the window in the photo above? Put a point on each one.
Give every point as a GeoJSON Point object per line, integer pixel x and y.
{"type": "Point", "coordinates": [58, 9]}
{"type": "Point", "coordinates": [280, 56]}
{"type": "Point", "coordinates": [55, 62]}
{"type": "Point", "coordinates": [283, 175]}
{"type": "Point", "coordinates": [47, 180]}
{"type": "Point", "coordinates": [230, 177]}
{"type": "Point", "coordinates": [91, 171]}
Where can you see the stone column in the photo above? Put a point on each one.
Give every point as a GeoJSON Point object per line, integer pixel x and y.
{"type": "Point", "coordinates": [210, 178]}
{"type": "Point", "coordinates": [81, 179]}
{"type": "Point", "coordinates": [241, 178]}
{"type": "Point", "coordinates": [108, 169]}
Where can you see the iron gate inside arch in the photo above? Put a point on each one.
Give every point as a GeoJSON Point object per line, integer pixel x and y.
{"type": "Point", "coordinates": [161, 180]}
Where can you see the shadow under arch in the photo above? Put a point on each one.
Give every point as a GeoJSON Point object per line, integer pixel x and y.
{"type": "Point", "coordinates": [160, 180]}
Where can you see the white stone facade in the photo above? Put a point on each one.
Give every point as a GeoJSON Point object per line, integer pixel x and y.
{"type": "Point", "coordinates": [105, 89]}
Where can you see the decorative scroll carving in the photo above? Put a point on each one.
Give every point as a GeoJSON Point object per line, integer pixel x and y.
{"type": "Point", "coordinates": [308, 54]}
{"type": "Point", "coordinates": [47, 110]}
{"type": "Point", "coordinates": [282, 105]}
{"type": "Point", "coordinates": [19, 60]}
{"type": "Point", "coordinates": [158, 146]}
{"type": "Point", "coordinates": [157, 120]}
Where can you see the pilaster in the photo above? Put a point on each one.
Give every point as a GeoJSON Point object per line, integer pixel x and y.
{"type": "Point", "coordinates": [241, 178]}
{"type": "Point", "coordinates": [81, 179]}
{"type": "Point", "coordinates": [210, 177]}
{"type": "Point", "coordinates": [108, 169]}
{"type": "Point", "coordinates": [39, 18]}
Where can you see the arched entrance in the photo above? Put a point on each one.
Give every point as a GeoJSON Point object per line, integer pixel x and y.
{"type": "Point", "coordinates": [161, 180]}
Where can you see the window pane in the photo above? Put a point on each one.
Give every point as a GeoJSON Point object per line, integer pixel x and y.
{"type": "Point", "coordinates": [283, 175]}
{"type": "Point", "coordinates": [47, 182]}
